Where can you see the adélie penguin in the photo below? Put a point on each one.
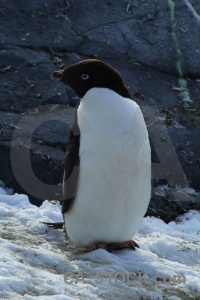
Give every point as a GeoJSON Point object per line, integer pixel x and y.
{"type": "Point", "coordinates": [107, 172]}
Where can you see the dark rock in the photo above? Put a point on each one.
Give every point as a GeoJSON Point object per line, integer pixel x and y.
{"type": "Point", "coordinates": [155, 47]}
{"type": "Point", "coordinates": [168, 205]}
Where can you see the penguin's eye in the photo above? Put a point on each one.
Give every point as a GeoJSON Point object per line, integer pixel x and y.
{"type": "Point", "coordinates": [85, 76]}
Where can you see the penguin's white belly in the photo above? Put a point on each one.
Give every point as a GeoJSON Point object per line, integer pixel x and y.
{"type": "Point", "coordinates": [115, 170]}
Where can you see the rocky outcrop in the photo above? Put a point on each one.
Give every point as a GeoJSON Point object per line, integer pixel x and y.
{"type": "Point", "coordinates": [155, 47]}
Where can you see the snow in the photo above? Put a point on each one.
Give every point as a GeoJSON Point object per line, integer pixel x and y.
{"type": "Point", "coordinates": [37, 262]}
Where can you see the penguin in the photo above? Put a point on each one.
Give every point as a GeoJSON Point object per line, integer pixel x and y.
{"type": "Point", "coordinates": [107, 169]}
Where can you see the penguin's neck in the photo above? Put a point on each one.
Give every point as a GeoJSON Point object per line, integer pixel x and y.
{"type": "Point", "coordinates": [103, 110]}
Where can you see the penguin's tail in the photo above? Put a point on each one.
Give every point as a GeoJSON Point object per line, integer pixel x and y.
{"type": "Point", "coordinates": [55, 225]}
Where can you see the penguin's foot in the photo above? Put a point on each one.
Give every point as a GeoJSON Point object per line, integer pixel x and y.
{"type": "Point", "coordinates": [114, 246]}
{"type": "Point", "coordinates": [119, 246]}
{"type": "Point", "coordinates": [91, 248]}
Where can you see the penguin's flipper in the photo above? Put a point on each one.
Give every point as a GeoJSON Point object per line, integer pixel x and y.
{"type": "Point", "coordinates": [71, 167]}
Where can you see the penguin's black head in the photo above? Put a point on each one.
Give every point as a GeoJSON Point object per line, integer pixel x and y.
{"type": "Point", "coordinates": [90, 73]}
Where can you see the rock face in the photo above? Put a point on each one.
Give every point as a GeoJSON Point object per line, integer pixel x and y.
{"type": "Point", "coordinates": [155, 47]}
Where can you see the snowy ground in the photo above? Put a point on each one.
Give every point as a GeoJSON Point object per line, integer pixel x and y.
{"type": "Point", "coordinates": [34, 259]}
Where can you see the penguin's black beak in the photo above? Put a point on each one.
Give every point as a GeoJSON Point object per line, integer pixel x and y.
{"type": "Point", "coordinates": [57, 74]}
